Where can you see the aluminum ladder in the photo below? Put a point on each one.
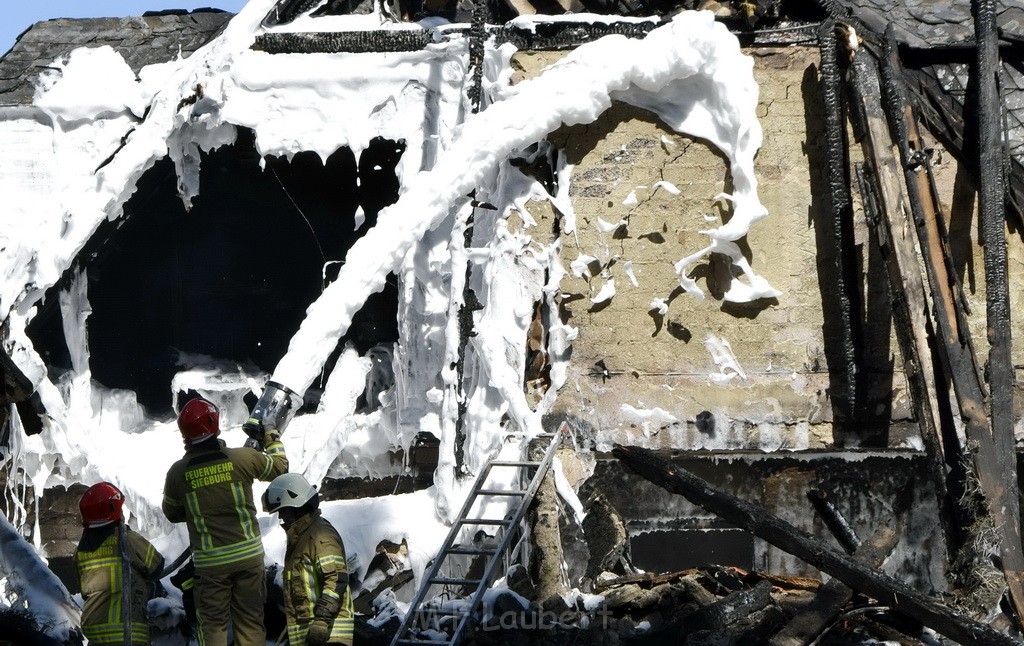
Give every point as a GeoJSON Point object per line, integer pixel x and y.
{"type": "Point", "coordinates": [410, 632]}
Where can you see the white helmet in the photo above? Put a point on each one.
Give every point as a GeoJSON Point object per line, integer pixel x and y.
{"type": "Point", "coordinates": [288, 490]}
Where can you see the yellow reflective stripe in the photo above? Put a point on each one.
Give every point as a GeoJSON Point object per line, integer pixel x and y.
{"type": "Point", "coordinates": [114, 633]}
{"type": "Point", "coordinates": [344, 625]}
{"type": "Point", "coordinates": [268, 466]}
{"type": "Point", "coordinates": [95, 564]}
{"type": "Point", "coordinates": [199, 627]}
{"type": "Point", "coordinates": [205, 540]}
{"type": "Point", "coordinates": [334, 558]}
{"type": "Point", "coordinates": [102, 629]}
{"type": "Point", "coordinates": [339, 563]}
{"type": "Point", "coordinates": [229, 553]}
{"type": "Point", "coordinates": [105, 561]}
{"type": "Point", "coordinates": [310, 585]}
{"type": "Point", "coordinates": [343, 629]}
{"type": "Point", "coordinates": [113, 568]}
{"type": "Point", "coordinates": [244, 519]}
{"type": "Point", "coordinates": [114, 615]}
{"type": "Point", "coordinates": [150, 559]}
{"type": "Point", "coordinates": [332, 594]}
{"type": "Point", "coordinates": [172, 502]}
{"type": "Point", "coordinates": [275, 448]}
{"type": "Point", "coordinates": [105, 637]}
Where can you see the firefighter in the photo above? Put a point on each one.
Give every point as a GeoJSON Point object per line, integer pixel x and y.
{"type": "Point", "coordinates": [210, 490]}
{"type": "Point", "coordinates": [115, 567]}
{"type": "Point", "coordinates": [317, 600]}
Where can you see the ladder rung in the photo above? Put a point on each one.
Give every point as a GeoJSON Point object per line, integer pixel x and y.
{"type": "Point", "coordinates": [444, 581]}
{"type": "Point", "coordinates": [440, 613]}
{"type": "Point", "coordinates": [483, 521]}
{"type": "Point", "coordinates": [497, 492]}
{"type": "Point", "coordinates": [468, 550]}
{"type": "Point", "coordinates": [514, 463]}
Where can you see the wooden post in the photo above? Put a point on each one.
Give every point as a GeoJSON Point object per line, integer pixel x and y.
{"type": "Point", "coordinates": [1002, 488]}
{"type": "Point", "coordinates": [895, 234]}
{"type": "Point", "coordinates": [545, 536]}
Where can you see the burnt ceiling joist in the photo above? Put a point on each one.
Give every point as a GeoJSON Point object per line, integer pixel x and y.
{"type": "Point", "coordinates": [544, 36]}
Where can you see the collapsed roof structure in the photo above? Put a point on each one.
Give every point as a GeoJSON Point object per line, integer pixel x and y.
{"type": "Point", "coordinates": [391, 210]}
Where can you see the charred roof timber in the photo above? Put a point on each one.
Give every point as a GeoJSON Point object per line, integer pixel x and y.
{"type": "Point", "coordinates": [545, 36]}
{"type": "Point", "coordinates": [938, 49]}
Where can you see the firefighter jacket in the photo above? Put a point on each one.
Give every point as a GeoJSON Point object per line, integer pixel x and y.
{"type": "Point", "coordinates": [210, 489]}
{"type": "Point", "coordinates": [315, 567]}
{"type": "Point", "coordinates": [99, 562]}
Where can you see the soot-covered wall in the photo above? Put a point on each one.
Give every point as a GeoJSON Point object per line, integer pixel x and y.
{"type": "Point", "coordinates": [232, 277]}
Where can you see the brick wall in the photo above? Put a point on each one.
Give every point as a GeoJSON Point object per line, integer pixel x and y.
{"type": "Point", "coordinates": [788, 346]}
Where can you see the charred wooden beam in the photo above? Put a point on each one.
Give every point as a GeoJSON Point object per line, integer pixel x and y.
{"type": "Point", "coordinates": [786, 582]}
{"type": "Point", "coordinates": [1001, 485]}
{"type": "Point", "coordinates": [954, 339]}
{"type": "Point", "coordinates": [784, 536]}
{"type": "Point", "coordinates": [893, 230]}
{"type": "Point", "coordinates": [404, 40]}
{"type": "Point", "coordinates": [646, 579]}
{"type": "Point", "coordinates": [730, 609]}
{"type": "Point", "coordinates": [842, 205]}
{"type": "Point", "coordinates": [947, 291]}
{"type": "Point", "coordinates": [15, 385]}
{"type": "Point", "coordinates": [834, 520]}
{"type": "Point", "coordinates": [470, 303]}
{"type": "Point", "coordinates": [832, 597]}
{"type": "Point", "coordinates": [542, 36]}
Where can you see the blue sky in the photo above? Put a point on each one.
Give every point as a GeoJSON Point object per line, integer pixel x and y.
{"type": "Point", "coordinates": [20, 14]}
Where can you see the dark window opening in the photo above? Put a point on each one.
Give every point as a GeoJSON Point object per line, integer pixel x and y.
{"type": "Point", "coordinates": [231, 278]}
{"type": "Point", "coordinates": [674, 550]}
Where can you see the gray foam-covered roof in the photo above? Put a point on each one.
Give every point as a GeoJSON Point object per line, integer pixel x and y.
{"type": "Point", "coordinates": [152, 38]}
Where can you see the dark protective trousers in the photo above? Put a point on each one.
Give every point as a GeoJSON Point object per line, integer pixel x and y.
{"type": "Point", "coordinates": [238, 596]}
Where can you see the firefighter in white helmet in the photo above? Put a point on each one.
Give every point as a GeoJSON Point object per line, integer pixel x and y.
{"type": "Point", "coordinates": [317, 599]}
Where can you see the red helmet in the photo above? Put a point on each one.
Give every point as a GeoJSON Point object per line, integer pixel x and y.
{"type": "Point", "coordinates": [198, 420]}
{"type": "Point", "coordinates": [101, 505]}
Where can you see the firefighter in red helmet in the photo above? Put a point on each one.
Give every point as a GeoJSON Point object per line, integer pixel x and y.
{"type": "Point", "coordinates": [115, 567]}
{"type": "Point", "coordinates": [210, 490]}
